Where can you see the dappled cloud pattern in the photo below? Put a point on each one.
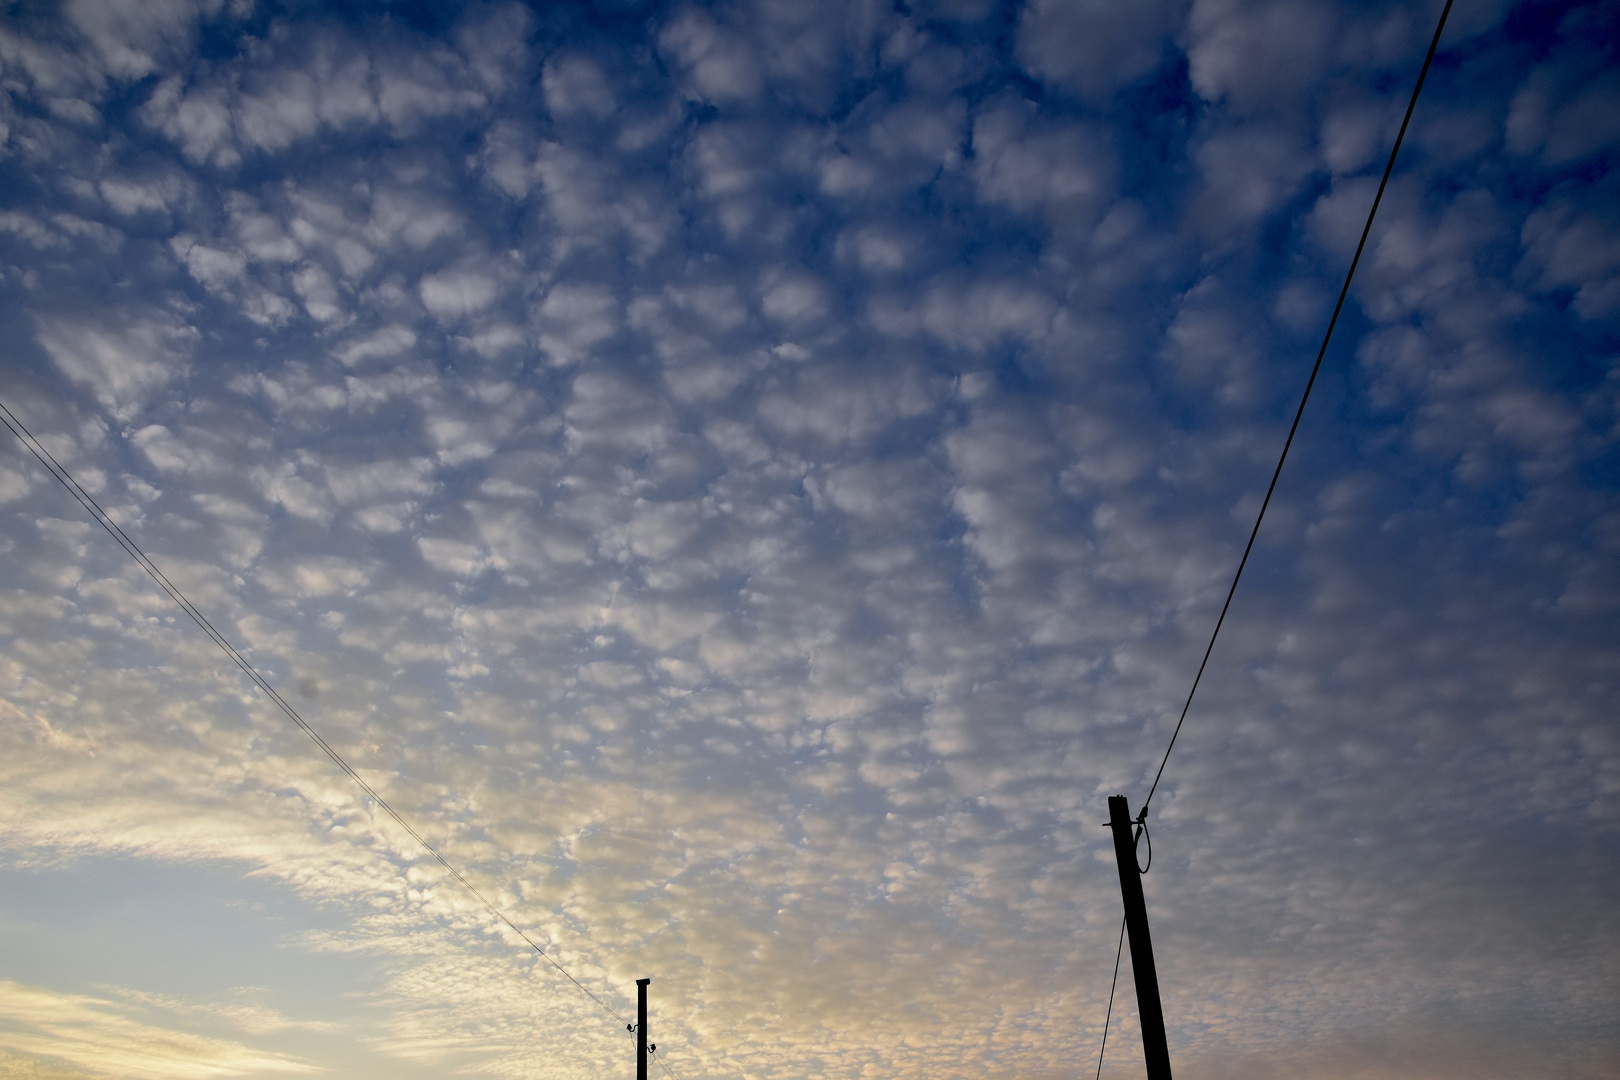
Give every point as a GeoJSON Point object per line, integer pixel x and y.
{"type": "Point", "coordinates": [746, 481]}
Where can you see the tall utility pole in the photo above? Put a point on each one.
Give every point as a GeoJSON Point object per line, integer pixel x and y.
{"type": "Point", "coordinates": [641, 1023]}
{"type": "Point", "coordinates": [1154, 1047]}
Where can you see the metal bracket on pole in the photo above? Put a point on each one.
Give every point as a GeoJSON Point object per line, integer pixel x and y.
{"type": "Point", "coordinates": [1154, 1047]}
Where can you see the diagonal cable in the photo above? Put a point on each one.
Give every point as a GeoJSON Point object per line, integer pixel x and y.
{"type": "Point", "coordinates": [1119, 950]}
{"type": "Point", "coordinates": [1300, 412]}
{"type": "Point", "coordinates": [85, 499]}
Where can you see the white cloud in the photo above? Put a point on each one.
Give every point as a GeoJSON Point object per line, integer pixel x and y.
{"type": "Point", "coordinates": [29, 229]}
{"type": "Point", "coordinates": [198, 118]}
{"type": "Point", "coordinates": [312, 577]}
{"type": "Point", "coordinates": [166, 452]}
{"type": "Point", "coordinates": [494, 43]}
{"type": "Point", "coordinates": [1063, 174]}
{"type": "Point", "coordinates": [216, 269]}
{"type": "Point", "coordinates": [719, 64]}
{"type": "Point", "coordinates": [283, 105]}
{"type": "Point", "coordinates": [388, 341]}
{"type": "Point", "coordinates": [131, 195]}
{"type": "Point", "coordinates": [132, 40]}
{"type": "Point", "coordinates": [412, 217]}
{"type": "Point", "coordinates": [418, 85]}
{"type": "Point", "coordinates": [1254, 51]}
{"type": "Point", "coordinates": [975, 318]}
{"type": "Point", "coordinates": [1213, 345]}
{"type": "Point", "coordinates": [281, 485]}
{"type": "Point", "coordinates": [573, 318]}
{"type": "Point", "coordinates": [455, 294]}
{"type": "Point", "coordinates": [575, 86]}
{"type": "Point", "coordinates": [320, 294]}
{"type": "Point", "coordinates": [96, 1034]}
{"type": "Point", "coordinates": [1247, 172]}
{"type": "Point", "coordinates": [1566, 130]}
{"type": "Point", "coordinates": [121, 357]}
{"type": "Point", "coordinates": [796, 298]}
{"type": "Point", "coordinates": [593, 205]}
{"type": "Point", "coordinates": [1565, 248]}
{"type": "Point", "coordinates": [1093, 46]}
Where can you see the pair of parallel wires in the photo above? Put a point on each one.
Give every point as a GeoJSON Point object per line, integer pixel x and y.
{"type": "Point", "coordinates": [95, 510]}
{"type": "Point", "coordinates": [1288, 443]}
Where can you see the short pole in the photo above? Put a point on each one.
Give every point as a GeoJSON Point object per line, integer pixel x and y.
{"type": "Point", "coordinates": [1148, 1010]}
{"type": "Point", "coordinates": [641, 1028]}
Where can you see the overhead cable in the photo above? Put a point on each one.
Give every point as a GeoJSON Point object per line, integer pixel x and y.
{"type": "Point", "coordinates": [1108, 1018]}
{"type": "Point", "coordinates": [1300, 412]}
{"type": "Point", "coordinates": [85, 499]}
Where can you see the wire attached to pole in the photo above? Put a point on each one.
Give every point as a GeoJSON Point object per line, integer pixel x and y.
{"type": "Point", "coordinates": [86, 500]}
{"type": "Point", "coordinates": [1310, 383]}
{"type": "Point", "coordinates": [1118, 951]}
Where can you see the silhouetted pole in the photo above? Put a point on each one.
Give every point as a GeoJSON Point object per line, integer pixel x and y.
{"type": "Point", "coordinates": [641, 1023]}
{"type": "Point", "coordinates": [1148, 1011]}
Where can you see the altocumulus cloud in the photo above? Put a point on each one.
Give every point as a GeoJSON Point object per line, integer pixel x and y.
{"type": "Point", "coordinates": [747, 481]}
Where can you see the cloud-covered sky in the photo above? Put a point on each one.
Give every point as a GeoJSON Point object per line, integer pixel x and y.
{"type": "Point", "coordinates": [747, 481]}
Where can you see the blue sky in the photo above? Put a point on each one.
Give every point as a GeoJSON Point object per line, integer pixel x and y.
{"type": "Point", "coordinates": [748, 481]}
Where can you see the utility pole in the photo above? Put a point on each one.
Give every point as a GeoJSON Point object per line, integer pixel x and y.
{"type": "Point", "coordinates": [1154, 1047]}
{"type": "Point", "coordinates": [641, 1024]}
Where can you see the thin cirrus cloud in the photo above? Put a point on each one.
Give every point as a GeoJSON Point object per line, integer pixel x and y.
{"type": "Point", "coordinates": [98, 1037]}
{"type": "Point", "coordinates": [746, 481]}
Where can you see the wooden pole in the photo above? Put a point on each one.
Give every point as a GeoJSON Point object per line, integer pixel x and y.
{"type": "Point", "coordinates": [641, 1028]}
{"type": "Point", "coordinates": [1148, 1009]}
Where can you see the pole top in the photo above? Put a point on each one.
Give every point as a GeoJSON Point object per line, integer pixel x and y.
{"type": "Point", "coordinates": [643, 982]}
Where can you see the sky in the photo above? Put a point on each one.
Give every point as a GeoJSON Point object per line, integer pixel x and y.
{"type": "Point", "coordinates": [748, 481]}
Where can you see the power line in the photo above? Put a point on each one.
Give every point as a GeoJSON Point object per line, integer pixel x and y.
{"type": "Point", "coordinates": [1118, 951]}
{"type": "Point", "coordinates": [85, 499]}
{"type": "Point", "coordinates": [1300, 412]}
